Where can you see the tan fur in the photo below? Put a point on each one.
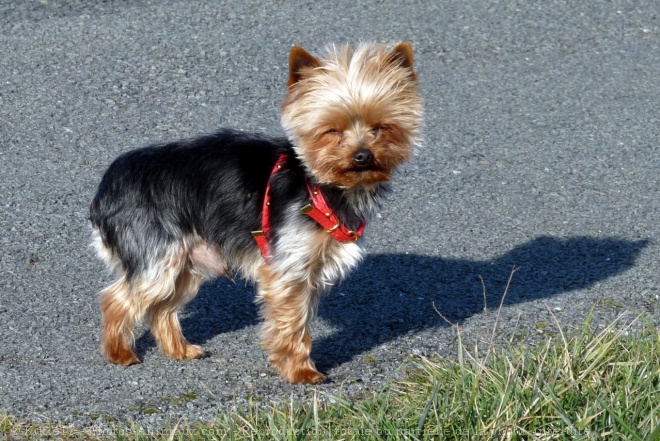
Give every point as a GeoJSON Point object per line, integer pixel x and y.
{"type": "Point", "coordinates": [158, 294]}
{"type": "Point", "coordinates": [353, 98]}
{"type": "Point", "coordinates": [118, 320]}
{"type": "Point", "coordinates": [165, 322]}
{"type": "Point", "coordinates": [289, 300]}
{"type": "Point", "coordinates": [288, 306]}
{"type": "Point", "coordinates": [287, 309]}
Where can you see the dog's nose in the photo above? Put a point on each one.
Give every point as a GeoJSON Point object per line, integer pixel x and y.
{"type": "Point", "coordinates": [363, 157]}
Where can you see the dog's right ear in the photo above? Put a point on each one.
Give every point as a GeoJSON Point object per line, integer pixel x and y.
{"type": "Point", "coordinates": [300, 60]}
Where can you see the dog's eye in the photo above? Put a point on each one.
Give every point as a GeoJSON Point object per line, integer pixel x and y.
{"type": "Point", "coordinates": [379, 128]}
{"type": "Point", "coordinates": [332, 132]}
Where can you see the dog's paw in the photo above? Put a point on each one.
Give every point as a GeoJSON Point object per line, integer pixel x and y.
{"type": "Point", "coordinates": [305, 376]}
{"type": "Point", "coordinates": [123, 357]}
{"type": "Point", "coordinates": [193, 352]}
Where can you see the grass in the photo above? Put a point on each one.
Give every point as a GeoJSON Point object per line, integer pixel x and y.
{"type": "Point", "coordinates": [591, 385]}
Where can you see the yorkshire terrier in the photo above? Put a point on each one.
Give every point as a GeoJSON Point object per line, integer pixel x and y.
{"type": "Point", "coordinates": [286, 213]}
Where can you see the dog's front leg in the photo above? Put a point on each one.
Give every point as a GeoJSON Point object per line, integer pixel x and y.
{"type": "Point", "coordinates": [287, 308]}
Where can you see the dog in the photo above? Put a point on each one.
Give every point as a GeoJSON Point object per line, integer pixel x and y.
{"type": "Point", "coordinates": [286, 213]}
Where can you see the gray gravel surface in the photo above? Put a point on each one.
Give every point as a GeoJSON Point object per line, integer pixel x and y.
{"type": "Point", "coordinates": [541, 152]}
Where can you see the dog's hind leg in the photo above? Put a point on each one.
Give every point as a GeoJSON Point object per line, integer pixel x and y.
{"type": "Point", "coordinates": [159, 291]}
{"type": "Point", "coordinates": [165, 324]}
{"type": "Point", "coordinates": [118, 319]}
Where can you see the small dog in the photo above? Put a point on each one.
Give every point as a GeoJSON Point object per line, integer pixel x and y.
{"type": "Point", "coordinates": [286, 213]}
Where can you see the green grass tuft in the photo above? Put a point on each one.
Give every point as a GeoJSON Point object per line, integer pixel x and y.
{"type": "Point", "coordinates": [592, 385]}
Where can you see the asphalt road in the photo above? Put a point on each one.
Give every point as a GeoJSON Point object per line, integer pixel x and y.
{"type": "Point", "coordinates": [541, 152]}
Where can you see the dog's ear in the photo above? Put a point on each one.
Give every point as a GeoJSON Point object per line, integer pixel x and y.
{"type": "Point", "coordinates": [403, 55]}
{"type": "Point", "coordinates": [299, 60]}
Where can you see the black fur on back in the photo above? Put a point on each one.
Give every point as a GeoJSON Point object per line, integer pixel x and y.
{"type": "Point", "coordinates": [212, 187]}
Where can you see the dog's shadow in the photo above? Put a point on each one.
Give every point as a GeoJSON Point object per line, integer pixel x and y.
{"type": "Point", "coordinates": [390, 295]}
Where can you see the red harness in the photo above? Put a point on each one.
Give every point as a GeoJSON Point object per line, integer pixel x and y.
{"type": "Point", "coordinates": [317, 210]}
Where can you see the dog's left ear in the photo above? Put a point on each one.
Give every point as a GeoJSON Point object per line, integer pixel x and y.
{"type": "Point", "coordinates": [299, 60]}
{"type": "Point", "coordinates": [403, 55]}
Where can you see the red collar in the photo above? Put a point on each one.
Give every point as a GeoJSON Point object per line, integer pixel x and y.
{"type": "Point", "coordinates": [317, 210]}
